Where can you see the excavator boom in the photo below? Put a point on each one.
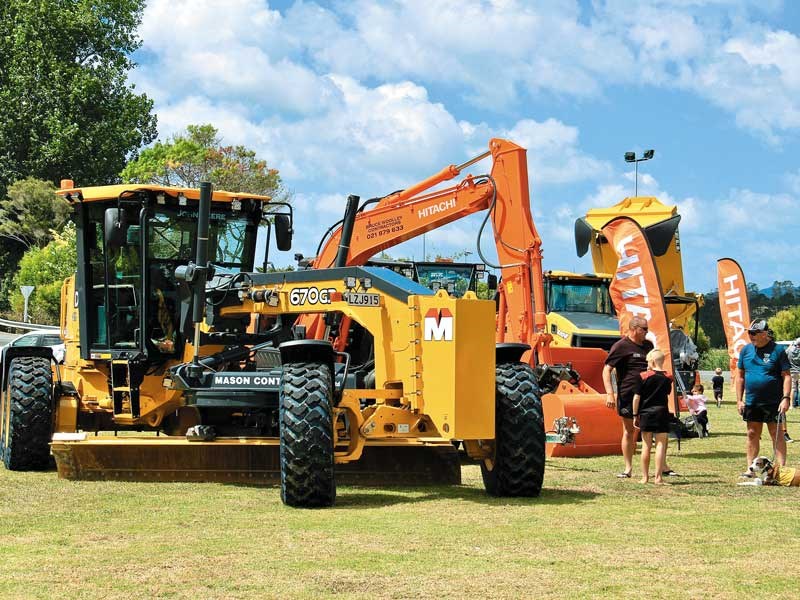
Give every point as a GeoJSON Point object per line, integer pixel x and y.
{"type": "Point", "coordinates": [416, 210]}
{"type": "Point", "coordinates": [521, 307]}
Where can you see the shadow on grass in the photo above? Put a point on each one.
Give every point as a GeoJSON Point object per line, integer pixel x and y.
{"type": "Point", "coordinates": [354, 497]}
{"type": "Point", "coordinates": [713, 454]}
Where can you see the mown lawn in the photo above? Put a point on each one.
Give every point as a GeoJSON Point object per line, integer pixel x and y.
{"type": "Point", "coordinates": [589, 534]}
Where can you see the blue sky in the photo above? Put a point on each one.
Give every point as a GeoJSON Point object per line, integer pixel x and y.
{"type": "Point", "coordinates": [365, 98]}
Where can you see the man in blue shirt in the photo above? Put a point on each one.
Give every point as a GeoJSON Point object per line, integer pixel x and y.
{"type": "Point", "coordinates": [765, 382]}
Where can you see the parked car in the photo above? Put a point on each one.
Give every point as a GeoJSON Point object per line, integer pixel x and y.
{"type": "Point", "coordinates": [40, 337]}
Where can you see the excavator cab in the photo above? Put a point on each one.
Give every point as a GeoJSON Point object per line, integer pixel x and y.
{"type": "Point", "coordinates": [456, 278]}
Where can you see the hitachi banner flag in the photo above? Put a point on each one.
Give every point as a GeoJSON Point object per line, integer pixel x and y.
{"type": "Point", "coordinates": [733, 307]}
{"type": "Point", "coordinates": [636, 289]}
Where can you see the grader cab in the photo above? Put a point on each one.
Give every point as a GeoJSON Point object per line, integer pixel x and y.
{"type": "Point", "coordinates": [158, 343]}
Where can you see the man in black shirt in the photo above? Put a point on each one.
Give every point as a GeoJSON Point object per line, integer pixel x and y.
{"type": "Point", "coordinates": [628, 357]}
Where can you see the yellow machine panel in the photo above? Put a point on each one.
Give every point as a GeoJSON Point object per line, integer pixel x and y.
{"type": "Point", "coordinates": [457, 338]}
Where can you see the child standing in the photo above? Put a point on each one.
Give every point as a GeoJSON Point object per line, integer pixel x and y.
{"type": "Point", "coordinates": [697, 407]}
{"type": "Point", "coordinates": [717, 381]}
{"type": "Point", "coordinates": [651, 413]}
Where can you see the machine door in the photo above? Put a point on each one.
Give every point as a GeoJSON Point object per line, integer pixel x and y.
{"type": "Point", "coordinates": [124, 285]}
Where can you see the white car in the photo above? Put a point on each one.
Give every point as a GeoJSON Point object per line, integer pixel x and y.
{"type": "Point", "coordinates": [42, 337]}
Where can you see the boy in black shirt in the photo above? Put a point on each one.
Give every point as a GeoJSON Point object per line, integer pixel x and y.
{"type": "Point", "coordinates": [651, 413]}
{"type": "Point", "coordinates": [717, 381]}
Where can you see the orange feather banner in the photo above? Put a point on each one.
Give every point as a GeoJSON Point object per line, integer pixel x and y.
{"type": "Point", "coordinates": [636, 288]}
{"type": "Point", "coordinates": [733, 307]}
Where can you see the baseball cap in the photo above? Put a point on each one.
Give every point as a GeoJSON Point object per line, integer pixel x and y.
{"type": "Point", "coordinates": [758, 325]}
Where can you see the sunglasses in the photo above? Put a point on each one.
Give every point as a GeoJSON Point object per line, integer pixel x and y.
{"type": "Point", "coordinates": [756, 332]}
{"type": "Point", "coordinates": [644, 328]}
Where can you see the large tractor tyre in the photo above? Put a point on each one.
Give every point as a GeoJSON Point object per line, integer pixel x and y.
{"type": "Point", "coordinates": [306, 435]}
{"type": "Point", "coordinates": [29, 426]}
{"type": "Point", "coordinates": [517, 468]}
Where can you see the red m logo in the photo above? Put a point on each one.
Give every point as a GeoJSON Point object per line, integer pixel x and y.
{"type": "Point", "coordinates": [438, 325]}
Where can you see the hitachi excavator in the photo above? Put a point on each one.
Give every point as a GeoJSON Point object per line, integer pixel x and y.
{"type": "Point", "coordinates": [568, 398]}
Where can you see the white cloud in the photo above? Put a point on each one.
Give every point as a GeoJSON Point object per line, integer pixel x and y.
{"type": "Point", "coordinates": [227, 51]}
{"type": "Point", "coordinates": [375, 138]}
{"type": "Point", "coordinates": [553, 152]}
{"type": "Point", "coordinates": [757, 213]}
{"type": "Point", "coordinates": [496, 54]}
{"type": "Point", "coordinates": [793, 181]}
{"type": "Point", "coordinates": [230, 119]}
{"type": "Point", "coordinates": [453, 43]}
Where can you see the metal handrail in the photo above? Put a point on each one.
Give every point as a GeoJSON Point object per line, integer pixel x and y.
{"type": "Point", "coordinates": [6, 324]}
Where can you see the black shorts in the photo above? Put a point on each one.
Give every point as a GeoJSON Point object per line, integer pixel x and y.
{"type": "Point", "coordinates": [760, 414]}
{"type": "Point", "coordinates": [717, 394]}
{"type": "Point", "coordinates": [625, 407]}
{"type": "Point", "coordinates": [654, 422]}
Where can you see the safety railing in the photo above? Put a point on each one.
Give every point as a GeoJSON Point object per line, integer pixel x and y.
{"type": "Point", "coordinates": [6, 324]}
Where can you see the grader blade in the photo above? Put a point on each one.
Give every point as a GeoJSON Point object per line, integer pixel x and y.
{"type": "Point", "coordinates": [243, 460]}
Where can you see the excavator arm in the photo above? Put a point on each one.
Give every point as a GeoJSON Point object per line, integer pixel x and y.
{"type": "Point", "coordinates": [409, 213]}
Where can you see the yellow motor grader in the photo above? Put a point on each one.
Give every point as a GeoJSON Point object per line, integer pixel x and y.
{"type": "Point", "coordinates": [206, 354]}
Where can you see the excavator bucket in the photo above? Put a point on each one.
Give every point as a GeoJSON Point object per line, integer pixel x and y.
{"type": "Point", "coordinates": [242, 460]}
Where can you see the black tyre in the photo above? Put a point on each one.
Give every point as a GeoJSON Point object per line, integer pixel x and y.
{"type": "Point", "coordinates": [306, 435]}
{"type": "Point", "coordinates": [27, 430]}
{"type": "Point", "coordinates": [518, 465]}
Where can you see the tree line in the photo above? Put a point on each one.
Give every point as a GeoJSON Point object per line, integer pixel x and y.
{"type": "Point", "coordinates": [781, 306]}
{"type": "Point", "coordinates": [69, 112]}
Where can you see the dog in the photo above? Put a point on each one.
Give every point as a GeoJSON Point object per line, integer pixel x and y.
{"type": "Point", "coordinates": [763, 472]}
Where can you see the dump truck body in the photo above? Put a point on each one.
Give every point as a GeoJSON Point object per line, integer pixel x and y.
{"type": "Point", "coordinates": [660, 224]}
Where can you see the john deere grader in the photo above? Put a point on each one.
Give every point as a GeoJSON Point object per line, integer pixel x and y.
{"type": "Point", "coordinates": [196, 370]}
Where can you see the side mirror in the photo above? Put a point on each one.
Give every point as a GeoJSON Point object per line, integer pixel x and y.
{"type": "Point", "coordinates": [491, 281]}
{"type": "Point", "coordinates": [114, 228]}
{"type": "Point", "coordinates": [583, 236]}
{"type": "Point", "coordinates": [283, 232]}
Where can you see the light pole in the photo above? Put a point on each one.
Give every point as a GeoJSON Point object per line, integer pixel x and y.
{"type": "Point", "coordinates": [631, 157]}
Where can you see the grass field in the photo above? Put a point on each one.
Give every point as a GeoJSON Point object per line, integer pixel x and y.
{"type": "Point", "coordinates": [588, 535]}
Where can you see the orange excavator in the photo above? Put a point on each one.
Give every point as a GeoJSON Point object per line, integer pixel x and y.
{"type": "Point", "coordinates": [568, 398]}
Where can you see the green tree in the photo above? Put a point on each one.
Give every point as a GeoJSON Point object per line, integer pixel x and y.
{"type": "Point", "coordinates": [196, 155]}
{"type": "Point", "coordinates": [786, 324]}
{"type": "Point", "coordinates": [31, 212]}
{"type": "Point", "coordinates": [46, 268]}
{"type": "Point", "coordinates": [703, 343]}
{"type": "Point", "coordinates": [67, 108]}
{"type": "Point", "coordinates": [715, 357]}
